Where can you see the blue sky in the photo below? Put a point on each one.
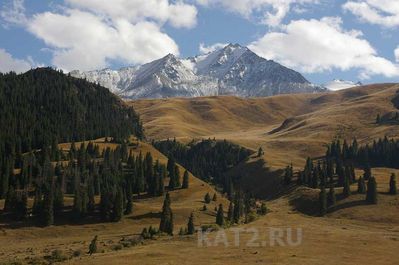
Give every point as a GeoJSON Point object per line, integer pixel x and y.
{"type": "Point", "coordinates": [346, 39]}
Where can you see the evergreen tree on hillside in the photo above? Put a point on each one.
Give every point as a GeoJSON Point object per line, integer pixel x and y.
{"type": "Point", "coordinates": [93, 246]}
{"type": "Point", "coordinates": [361, 186]}
{"type": "Point", "coordinates": [288, 175]}
{"type": "Point", "coordinates": [331, 198]}
{"type": "Point", "coordinates": [230, 213]}
{"type": "Point", "coordinates": [367, 172]}
{"type": "Point", "coordinates": [323, 202]}
{"type": "Point", "coordinates": [392, 185]}
{"type": "Point", "coordinates": [238, 208]}
{"type": "Point", "coordinates": [215, 197]}
{"type": "Point", "coordinates": [185, 180]}
{"type": "Point", "coordinates": [347, 187]}
{"type": "Point", "coordinates": [260, 152]}
{"type": "Point", "coordinates": [371, 196]}
{"type": "Point", "coordinates": [190, 225]}
{"type": "Point", "coordinates": [118, 205]}
{"type": "Point", "coordinates": [166, 224]}
{"type": "Point", "coordinates": [220, 216]}
{"type": "Point", "coordinates": [207, 198]}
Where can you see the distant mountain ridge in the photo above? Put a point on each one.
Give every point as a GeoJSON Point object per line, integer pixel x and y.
{"type": "Point", "coordinates": [232, 70]}
{"type": "Point", "coordinates": [339, 84]}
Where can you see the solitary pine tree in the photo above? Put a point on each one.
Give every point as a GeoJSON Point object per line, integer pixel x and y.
{"type": "Point", "coordinates": [207, 198]}
{"type": "Point", "coordinates": [215, 197]}
{"type": "Point", "coordinates": [129, 203]}
{"type": "Point", "coordinates": [185, 180]}
{"type": "Point", "coordinates": [263, 209]}
{"type": "Point", "coordinates": [238, 208]}
{"type": "Point", "coordinates": [118, 205]}
{"type": "Point", "coordinates": [361, 185]}
{"type": "Point", "coordinates": [378, 119]}
{"type": "Point", "coordinates": [367, 172]}
{"type": "Point", "coordinates": [220, 216]}
{"type": "Point", "coordinates": [347, 186]}
{"type": "Point", "coordinates": [230, 213]}
{"type": "Point", "coordinates": [93, 246]}
{"type": "Point", "coordinates": [288, 175]}
{"type": "Point", "coordinates": [371, 196]}
{"type": "Point", "coordinates": [323, 201]}
{"type": "Point", "coordinates": [166, 224]}
{"type": "Point", "coordinates": [331, 198]}
{"type": "Point", "coordinates": [392, 185]}
{"type": "Point", "coordinates": [190, 225]}
{"type": "Point", "coordinates": [260, 151]}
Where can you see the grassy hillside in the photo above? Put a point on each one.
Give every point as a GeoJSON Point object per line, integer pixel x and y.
{"type": "Point", "coordinates": [32, 242]}
{"type": "Point", "coordinates": [288, 127]}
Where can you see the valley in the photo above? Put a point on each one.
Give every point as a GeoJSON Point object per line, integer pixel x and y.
{"type": "Point", "coordinates": [287, 128]}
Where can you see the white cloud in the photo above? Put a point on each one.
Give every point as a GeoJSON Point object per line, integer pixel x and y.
{"type": "Point", "coordinates": [178, 14]}
{"type": "Point", "coordinates": [271, 12]}
{"type": "Point", "coordinates": [90, 34]}
{"type": "Point", "coordinates": [379, 12]}
{"type": "Point", "coordinates": [13, 13]}
{"type": "Point", "coordinates": [84, 41]}
{"type": "Point", "coordinates": [315, 46]}
{"type": "Point", "coordinates": [397, 54]}
{"type": "Point", "coordinates": [211, 48]}
{"type": "Point", "coordinates": [8, 63]}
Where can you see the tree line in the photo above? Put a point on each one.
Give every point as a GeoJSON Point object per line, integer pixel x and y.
{"type": "Point", "coordinates": [43, 107]}
{"type": "Point", "coordinates": [114, 175]}
{"type": "Point", "coordinates": [207, 159]}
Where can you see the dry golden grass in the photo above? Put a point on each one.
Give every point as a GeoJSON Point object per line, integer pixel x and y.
{"type": "Point", "coordinates": [19, 242]}
{"type": "Point", "coordinates": [288, 127]}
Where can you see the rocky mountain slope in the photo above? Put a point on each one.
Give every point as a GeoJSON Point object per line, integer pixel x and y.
{"type": "Point", "coordinates": [232, 70]}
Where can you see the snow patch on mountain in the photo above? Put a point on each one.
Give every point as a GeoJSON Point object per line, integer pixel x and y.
{"type": "Point", "coordinates": [338, 84]}
{"type": "Point", "coordinates": [232, 70]}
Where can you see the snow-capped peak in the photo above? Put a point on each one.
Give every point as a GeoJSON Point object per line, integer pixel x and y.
{"type": "Point", "coordinates": [231, 70]}
{"type": "Point", "coordinates": [339, 84]}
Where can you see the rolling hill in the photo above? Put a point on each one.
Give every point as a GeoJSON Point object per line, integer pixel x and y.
{"type": "Point", "coordinates": [288, 127]}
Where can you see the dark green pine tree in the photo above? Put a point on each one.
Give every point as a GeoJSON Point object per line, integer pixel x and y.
{"type": "Point", "coordinates": [263, 209]}
{"type": "Point", "coordinates": [47, 215]}
{"type": "Point", "coordinates": [238, 208]}
{"type": "Point", "coordinates": [260, 151]}
{"type": "Point", "coordinates": [371, 195]}
{"type": "Point", "coordinates": [378, 119]}
{"type": "Point", "coordinates": [207, 198]}
{"type": "Point", "coordinates": [190, 225]}
{"type": "Point", "coordinates": [215, 197]}
{"type": "Point", "coordinates": [361, 185]}
{"type": "Point", "coordinates": [58, 200]}
{"type": "Point", "coordinates": [129, 203]}
{"type": "Point", "coordinates": [185, 180]}
{"type": "Point", "coordinates": [392, 185]}
{"type": "Point", "coordinates": [288, 175]}
{"type": "Point", "coordinates": [220, 216]}
{"type": "Point", "coordinates": [93, 246]}
{"type": "Point", "coordinates": [166, 224]}
{"type": "Point", "coordinates": [118, 205]}
{"type": "Point", "coordinates": [367, 172]}
{"type": "Point", "coordinates": [230, 213]}
{"type": "Point", "coordinates": [323, 202]}
{"type": "Point", "coordinates": [331, 198]}
{"type": "Point", "coordinates": [347, 187]}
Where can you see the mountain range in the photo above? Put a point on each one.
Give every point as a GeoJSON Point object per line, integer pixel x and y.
{"type": "Point", "coordinates": [232, 70]}
{"type": "Point", "coordinates": [339, 84]}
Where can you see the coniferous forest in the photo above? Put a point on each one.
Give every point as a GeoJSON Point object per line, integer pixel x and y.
{"type": "Point", "coordinates": [44, 107]}
{"type": "Point", "coordinates": [208, 159]}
